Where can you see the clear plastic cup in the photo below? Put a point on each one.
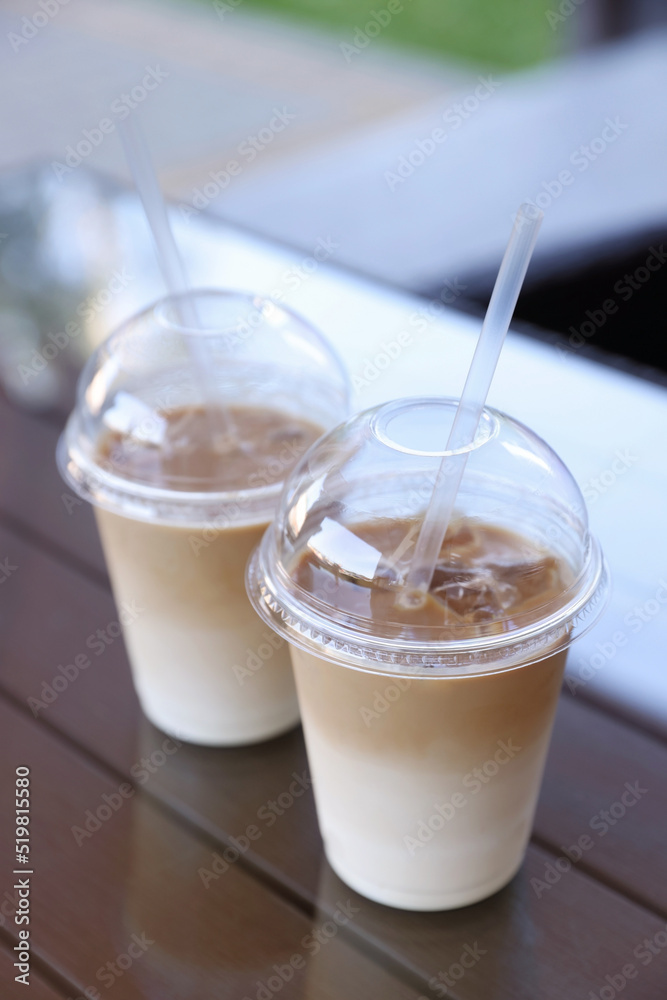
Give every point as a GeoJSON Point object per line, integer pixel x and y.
{"type": "Point", "coordinates": [184, 486]}
{"type": "Point", "coordinates": [427, 724]}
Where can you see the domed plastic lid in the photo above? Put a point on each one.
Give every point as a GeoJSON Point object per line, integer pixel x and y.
{"type": "Point", "coordinates": [183, 423]}
{"type": "Point", "coordinates": [519, 576]}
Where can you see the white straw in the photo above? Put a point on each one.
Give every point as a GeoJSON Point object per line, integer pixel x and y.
{"type": "Point", "coordinates": [469, 411]}
{"type": "Point", "coordinates": [138, 157]}
{"type": "Point", "coordinates": [171, 265]}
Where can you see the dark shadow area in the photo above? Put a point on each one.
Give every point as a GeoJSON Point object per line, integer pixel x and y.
{"type": "Point", "coordinates": [617, 305]}
{"type": "Point", "coordinates": [609, 305]}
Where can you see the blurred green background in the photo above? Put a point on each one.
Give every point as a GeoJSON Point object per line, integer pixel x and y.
{"type": "Point", "coordinates": [503, 34]}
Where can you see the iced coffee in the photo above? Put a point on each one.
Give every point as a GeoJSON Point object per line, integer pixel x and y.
{"type": "Point", "coordinates": [184, 473]}
{"type": "Point", "coordinates": [184, 579]}
{"type": "Point", "coordinates": [454, 764]}
{"type": "Point", "coordinates": [427, 717]}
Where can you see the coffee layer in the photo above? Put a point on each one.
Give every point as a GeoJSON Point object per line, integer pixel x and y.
{"type": "Point", "coordinates": [205, 449]}
{"type": "Point", "coordinates": [205, 667]}
{"type": "Point", "coordinates": [426, 784]}
{"type": "Point", "coordinates": [484, 575]}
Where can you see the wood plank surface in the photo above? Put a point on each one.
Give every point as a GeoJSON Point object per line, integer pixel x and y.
{"type": "Point", "coordinates": [605, 793]}
{"type": "Point", "coordinates": [592, 757]}
{"type": "Point", "coordinates": [124, 902]}
{"type": "Point", "coordinates": [33, 493]}
{"type": "Point", "coordinates": [560, 947]}
{"type": "Point", "coordinates": [562, 942]}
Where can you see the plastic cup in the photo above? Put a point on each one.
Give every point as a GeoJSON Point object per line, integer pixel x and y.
{"type": "Point", "coordinates": [183, 491]}
{"type": "Point", "coordinates": [427, 738]}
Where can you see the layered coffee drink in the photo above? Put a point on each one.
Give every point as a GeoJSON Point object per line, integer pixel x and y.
{"type": "Point", "coordinates": [423, 779]}
{"type": "Point", "coordinates": [205, 667]}
{"type": "Point", "coordinates": [188, 418]}
{"type": "Point", "coordinates": [427, 708]}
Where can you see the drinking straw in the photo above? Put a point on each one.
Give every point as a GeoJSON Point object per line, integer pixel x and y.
{"type": "Point", "coordinates": [169, 259]}
{"type": "Point", "coordinates": [473, 398]}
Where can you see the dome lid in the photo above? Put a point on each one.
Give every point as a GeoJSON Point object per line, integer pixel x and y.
{"type": "Point", "coordinates": [519, 575]}
{"type": "Point", "coordinates": [270, 385]}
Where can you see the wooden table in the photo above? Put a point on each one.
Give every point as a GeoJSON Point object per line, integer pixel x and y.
{"type": "Point", "coordinates": [144, 882]}
{"type": "Point", "coordinates": [161, 897]}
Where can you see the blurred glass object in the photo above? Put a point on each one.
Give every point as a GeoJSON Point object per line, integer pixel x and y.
{"type": "Point", "coordinates": [64, 278]}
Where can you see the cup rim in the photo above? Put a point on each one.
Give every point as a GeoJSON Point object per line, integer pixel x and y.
{"type": "Point", "coordinates": [488, 428]}
{"type": "Point", "coordinates": [394, 654]}
{"type": "Point", "coordinates": [145, 501]}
